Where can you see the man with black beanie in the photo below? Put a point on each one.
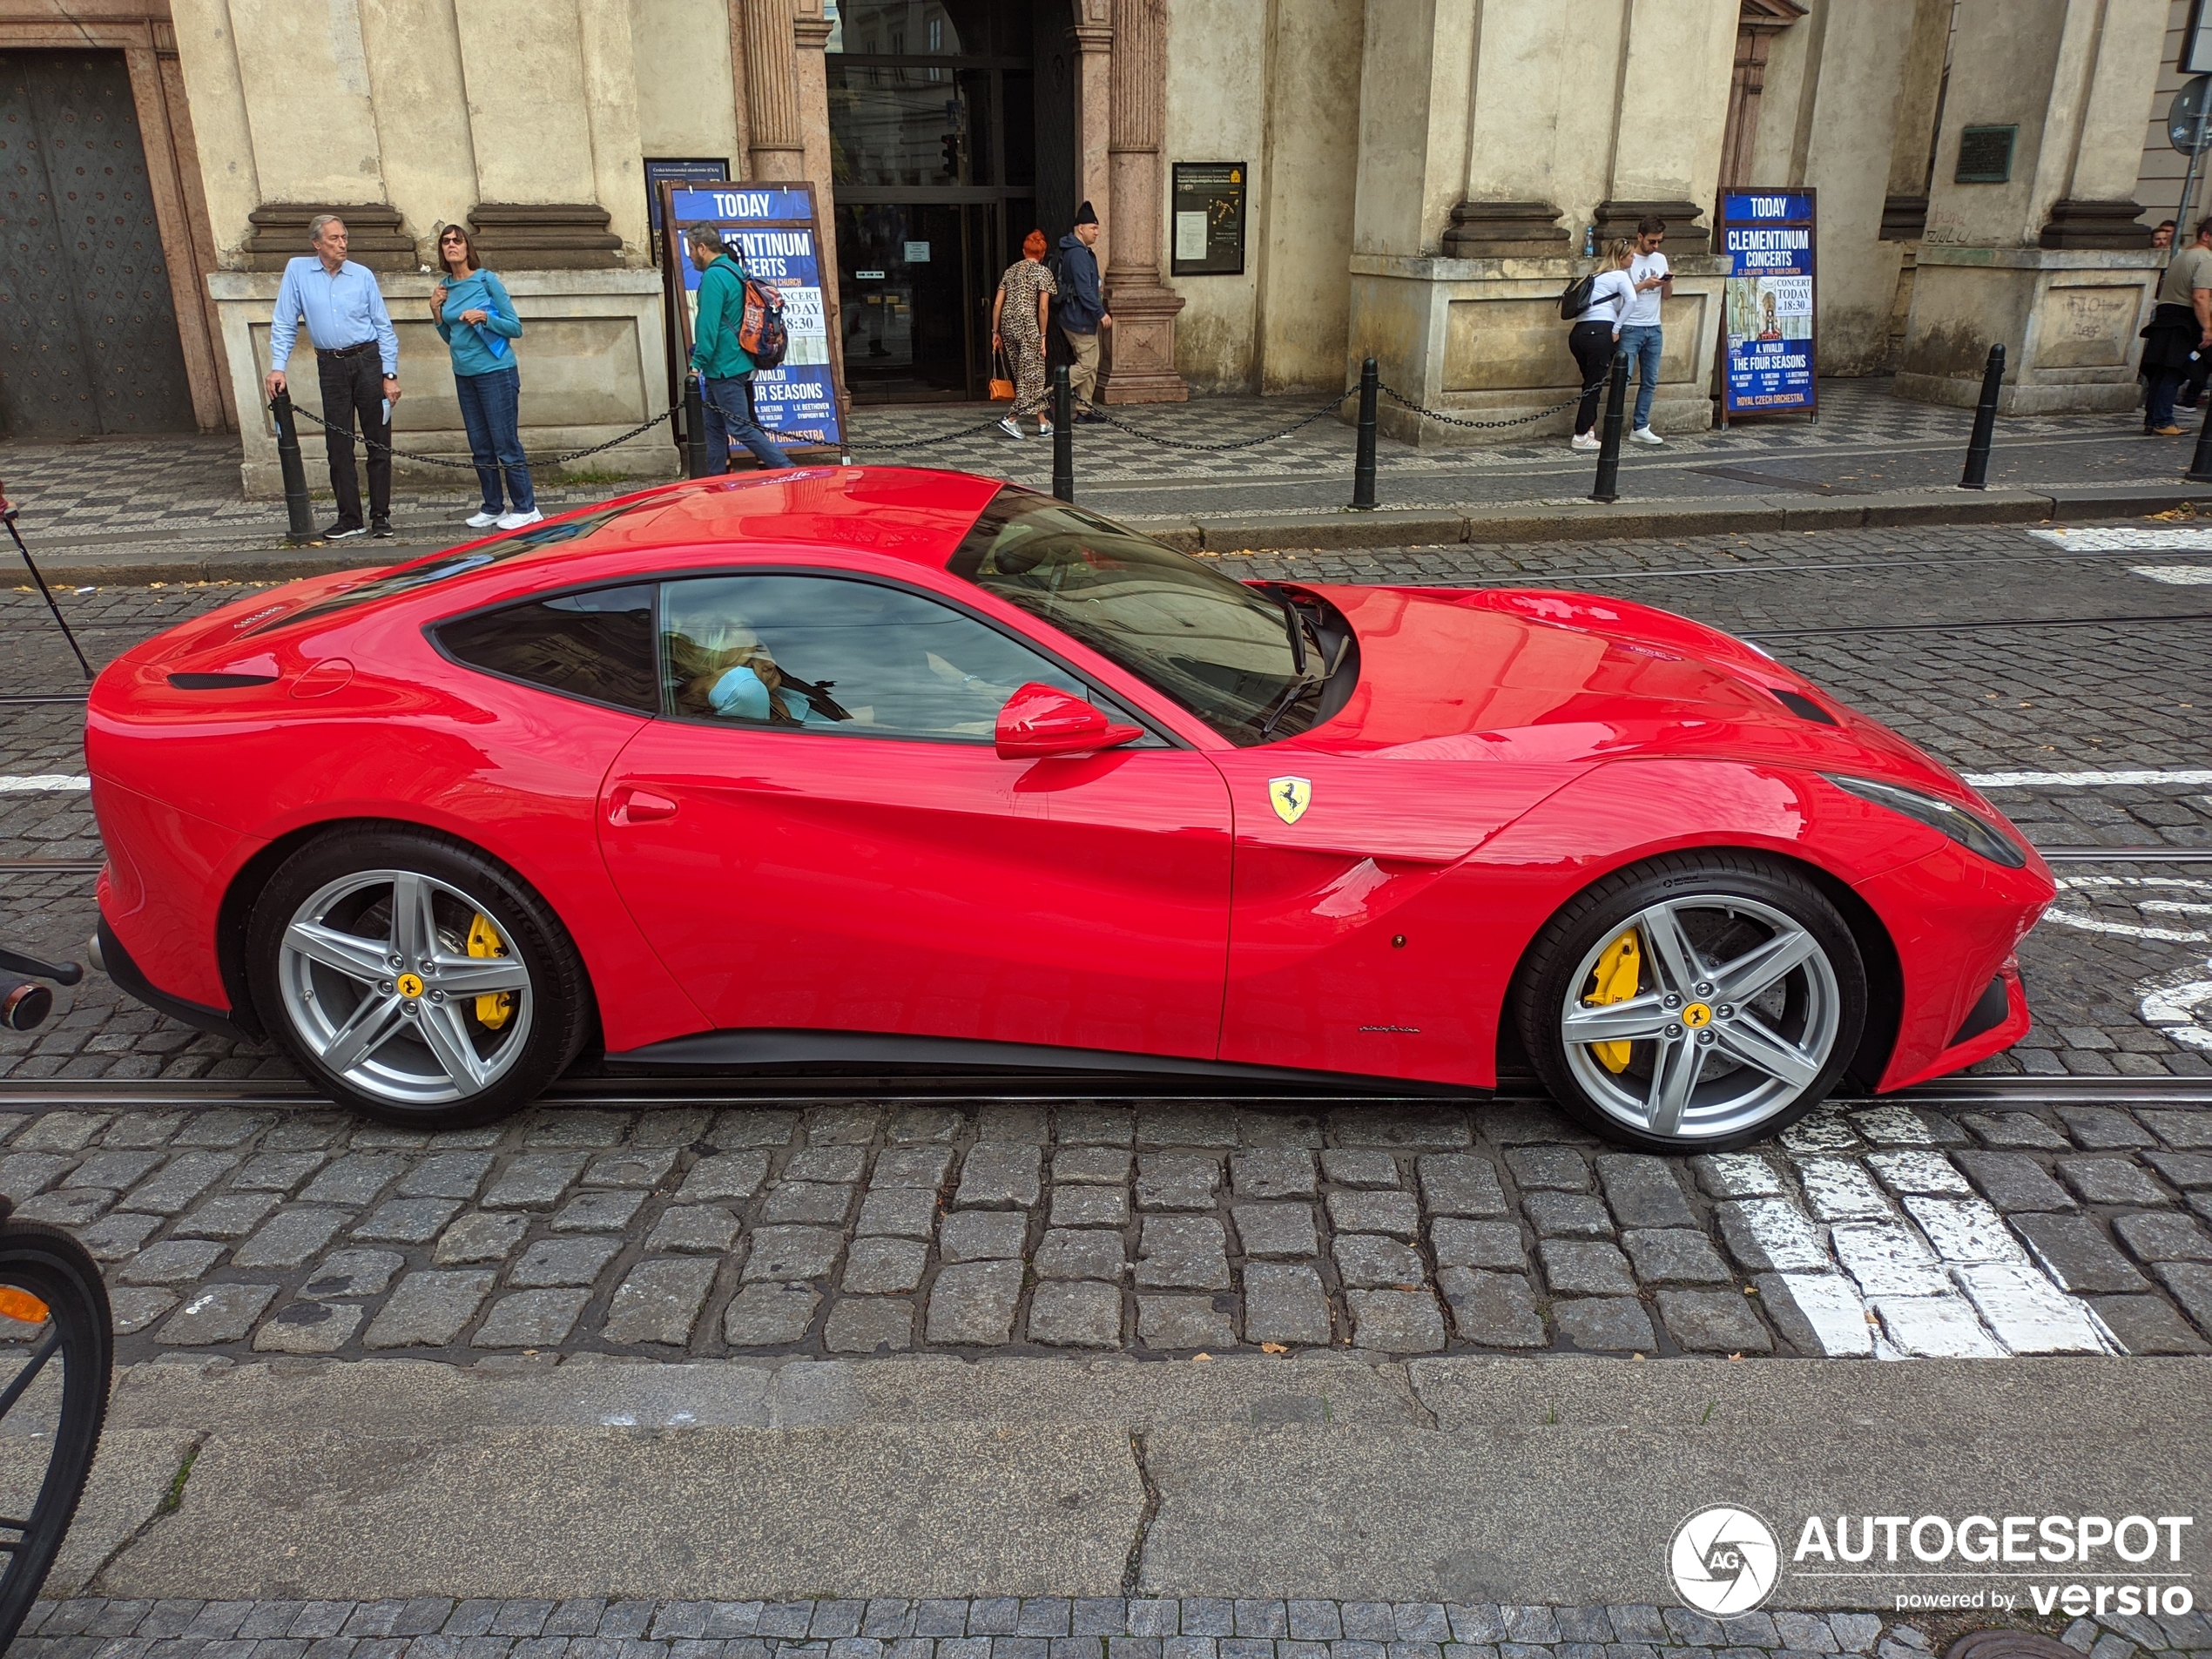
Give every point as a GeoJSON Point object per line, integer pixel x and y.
{"type": "Point", "coordinates": [1083, 308]}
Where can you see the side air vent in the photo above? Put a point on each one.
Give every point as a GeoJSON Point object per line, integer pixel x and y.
{"type": "Point", "coordinates": [1987, 1014]}
{"type": "Point", "coordinates": [1805, 708]}
{"type": "Point", "coordinates": [220, 682]}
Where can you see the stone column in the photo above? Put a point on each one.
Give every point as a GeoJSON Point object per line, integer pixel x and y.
{"type": "Point", "coordinates": [811, 33]}
{"type": "Point", "coordinates": [777, 141]}
{"type": "Point", "coordinates": [303, 74]}
{"type": "Point", "coordinates": [530, 71]}
{"type": "Point", "coordinates": [1669, 122]}
{"type": "Point", "coordinates": [2048, 260]}
{"type": "Point", "coordinates": [1093, 34]}
{"type": "Point", "coordinates": [1138, 351]}
{"type": "Point", "coordinates": [1833, 85]}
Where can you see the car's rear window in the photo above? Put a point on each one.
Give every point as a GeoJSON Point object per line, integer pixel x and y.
{"type": "Point", "coordinates": [406, 578]}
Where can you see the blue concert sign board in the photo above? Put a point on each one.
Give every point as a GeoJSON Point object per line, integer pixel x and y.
{"type": "Point", "coordinates": [775, 233]}
{"type": "Point", "coordinates": [1768, 304]}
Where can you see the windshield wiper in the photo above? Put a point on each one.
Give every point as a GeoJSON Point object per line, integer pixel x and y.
{"type": "Point", "coordinates": [1282, 705]}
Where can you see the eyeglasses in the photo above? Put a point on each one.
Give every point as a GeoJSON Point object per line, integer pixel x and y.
{"type": "Point", "coordinates": [453, 237]}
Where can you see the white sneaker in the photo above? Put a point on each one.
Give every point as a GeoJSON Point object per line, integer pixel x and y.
{"type": "Point", "coordinates": [1645, 434]}
{"type": "Point", "coordinates": [1044, 428]}
{"type": "Point", "coordinates": [516, 521]}
{"type": "Point", "coordinates": [1585, 441]}
{"type": "Point", "coordinates": [481, 521]}
{"type": "Point", "coordinates": [1008, 427]}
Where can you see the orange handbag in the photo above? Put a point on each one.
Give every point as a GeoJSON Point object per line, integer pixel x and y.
{"type": "Point", "coordinates": [1001, 388]}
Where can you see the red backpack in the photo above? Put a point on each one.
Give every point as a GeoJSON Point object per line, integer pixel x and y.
{"type": "Point", "coordinates": [761, 330]}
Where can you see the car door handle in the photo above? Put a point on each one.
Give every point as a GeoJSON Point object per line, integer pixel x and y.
{"type": "Point", "coordinates": [628, 806]}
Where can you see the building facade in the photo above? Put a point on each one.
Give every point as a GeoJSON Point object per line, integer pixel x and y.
{"type": "Point", "coordinates": [1286, 186]}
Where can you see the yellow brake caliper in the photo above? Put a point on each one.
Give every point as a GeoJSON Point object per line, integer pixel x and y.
{"type": "Point", "coordinates": [1618, 972]}
{"type": "Point", "coordinates": [493, 1007]}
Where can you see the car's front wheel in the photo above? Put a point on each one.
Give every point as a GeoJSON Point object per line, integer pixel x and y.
{"type": "Point", "coordinates": [414, 978]}
{"type": "Point", "coordinates": [1696, 1002]}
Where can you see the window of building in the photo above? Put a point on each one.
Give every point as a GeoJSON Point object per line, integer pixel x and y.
{"type": "Point", "coordinates": [598, 645]}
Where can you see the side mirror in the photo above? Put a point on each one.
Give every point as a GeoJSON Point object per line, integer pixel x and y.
{"type": "Point", "coordinates": [1041, 720]}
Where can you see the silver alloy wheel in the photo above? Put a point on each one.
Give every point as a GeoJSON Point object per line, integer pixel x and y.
{"type": "Point", "coordinates": [350, 957]}
{"type": "Point", "coordinates": [1735, 1016]}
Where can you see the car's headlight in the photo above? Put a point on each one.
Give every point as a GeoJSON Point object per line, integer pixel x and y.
{"type": "Point", "coordinates": [1937, 813]}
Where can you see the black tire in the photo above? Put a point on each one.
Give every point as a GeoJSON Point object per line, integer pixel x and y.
{"type": "Point", "coordinates": [555, 1012]}
{"type": "Point", "coordinates": [1826, 999]}
{"type": "Point", "coordinates": [50, 1265]}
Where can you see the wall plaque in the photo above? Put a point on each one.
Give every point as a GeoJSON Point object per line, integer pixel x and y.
{"type": "Point", "coordinates": [1209, 219]}
{"type": "Point", "coordinates": [1985, 156]}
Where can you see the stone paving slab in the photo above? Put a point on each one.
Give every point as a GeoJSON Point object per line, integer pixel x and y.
{"type": "Point", "coordinates": [1532, 1483]}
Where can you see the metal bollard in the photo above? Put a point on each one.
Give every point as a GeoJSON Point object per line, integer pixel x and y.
{"type": "Point", "coordinates": [2200, 470]}
{"type": "Point", "coordinates": [1063, 435]}
{"type": "Point", "coordinates": [1363, 465]}
{"type": "Point", "coordinates": [1608, 488]}
{"type": "Point", "coordinates": [694, 427]}
{"type": "Point", "coordinates": [1977, 473]}
{"type": "Point", "coordinates": [298, 509]}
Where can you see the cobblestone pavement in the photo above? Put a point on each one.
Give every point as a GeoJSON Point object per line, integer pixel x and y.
{"type": "Point", "coordinates": [2122, 975]}
{"type": "Point", "coordinates": [857, 1228]}
{"type": "Point", "coordinates": [183, 492]}
{"type": "Point", "coordinates": [2119, 974]}
{"type": "Point", "coordinates": [1001, 1628]}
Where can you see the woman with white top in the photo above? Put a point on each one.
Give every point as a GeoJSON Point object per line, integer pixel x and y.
{"type": "Point", "coordinates": [1594, 334]}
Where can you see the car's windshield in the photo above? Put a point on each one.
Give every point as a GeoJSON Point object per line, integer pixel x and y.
{"type": "Point", "coordinates": [1223, 650]}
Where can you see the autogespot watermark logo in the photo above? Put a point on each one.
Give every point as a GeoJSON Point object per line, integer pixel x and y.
{"type": "Point", "coordinates": [1724, 1561]}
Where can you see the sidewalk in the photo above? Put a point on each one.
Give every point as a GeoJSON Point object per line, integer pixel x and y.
{"type": "Point", "coordinates": [135, 510]}
{"type": "Point", "coordinates": [1337, 1477]}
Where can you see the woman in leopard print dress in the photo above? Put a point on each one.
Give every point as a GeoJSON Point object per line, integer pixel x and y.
{"type": "Point", "coordinates": [1018, 328]}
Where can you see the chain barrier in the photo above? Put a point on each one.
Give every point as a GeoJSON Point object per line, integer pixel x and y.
{"type": "Point", "coordinates": [1518, 419]}
{"type": "Point", "coordinates": [1015, 411]}
{"type": "Point", "coordinates": [1100, 415]}
{"type": "Point", "coordinates": [470, 466]}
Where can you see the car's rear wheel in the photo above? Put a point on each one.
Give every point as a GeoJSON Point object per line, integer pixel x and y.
{"type": "Point", "coordinates": [1697, 1002]}
{"type": "Point", "coordinates": [418, 980]}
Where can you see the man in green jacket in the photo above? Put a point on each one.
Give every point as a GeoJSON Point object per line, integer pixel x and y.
{"type": "Point", "coordinates": [722, 364]}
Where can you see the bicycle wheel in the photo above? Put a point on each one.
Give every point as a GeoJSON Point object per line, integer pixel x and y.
{"type": "Point", "coordinates": [53, 1399]}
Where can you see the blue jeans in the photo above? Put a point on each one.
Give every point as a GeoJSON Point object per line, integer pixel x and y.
{"type": "Point", "coordinates": [1641, 341]}
{"type": "Point", "coordinates": [490, 407]}
{"type": "Point", "coordinates": [2165, 383]}
{"type": "Point", "coordinates": [729, 416]}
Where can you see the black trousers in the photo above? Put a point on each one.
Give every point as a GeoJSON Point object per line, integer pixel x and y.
{"type": "Point", "coordinates": [1592, 344]}
{"type": "Point", "coordinates": [353, 387]}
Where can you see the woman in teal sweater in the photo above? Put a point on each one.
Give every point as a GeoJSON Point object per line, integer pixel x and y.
{"type": "Point", "coordinates": [476, 319]}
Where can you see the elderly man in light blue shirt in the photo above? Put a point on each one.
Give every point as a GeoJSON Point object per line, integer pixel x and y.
{"type": "Point", "coordinates": [357, 360]}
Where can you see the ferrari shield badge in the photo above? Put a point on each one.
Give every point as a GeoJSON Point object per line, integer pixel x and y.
{"type": "Point", "coordinates": [1292, 796]}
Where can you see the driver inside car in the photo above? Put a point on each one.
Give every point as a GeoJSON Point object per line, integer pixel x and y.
{"type": "Point", "coordinates": [730, 674]}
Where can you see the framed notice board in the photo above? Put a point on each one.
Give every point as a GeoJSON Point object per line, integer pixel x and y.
{"type": "Point", "coordinates": [1769, 303]}
{"type": "Point", "coordinates": [1209, 219]}
{"type": "Point", "coordinates": [711, 171]}
{"type": "Point", "coordinates": [776, 233]}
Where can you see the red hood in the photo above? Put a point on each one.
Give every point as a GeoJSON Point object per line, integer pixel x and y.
{"type": "Point", "coordinates": [1521, 675]}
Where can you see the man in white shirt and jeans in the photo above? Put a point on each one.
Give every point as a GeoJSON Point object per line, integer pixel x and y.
{"type": "Point", "coordinates": [1640, 334]}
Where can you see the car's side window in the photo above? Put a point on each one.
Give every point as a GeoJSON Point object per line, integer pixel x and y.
{"type": "Point", "coordinates": [829, 655]}
{"type": "Point", "coordinates": [596, 644]}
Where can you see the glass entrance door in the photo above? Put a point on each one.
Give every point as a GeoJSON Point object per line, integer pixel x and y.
{"type": "Point", "coordinates": [933, 151]}
{"type": "Point", "coordinates": [910, 273]}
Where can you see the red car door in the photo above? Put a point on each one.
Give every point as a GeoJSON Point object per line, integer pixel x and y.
{"type": "Point", "coordinates": [822, 836]}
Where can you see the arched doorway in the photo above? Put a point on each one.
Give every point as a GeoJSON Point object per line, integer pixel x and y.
{"type": "Point", "coordinates": [952, 135]}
